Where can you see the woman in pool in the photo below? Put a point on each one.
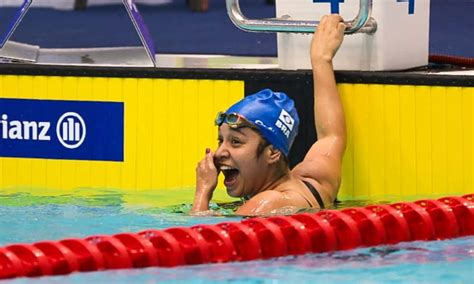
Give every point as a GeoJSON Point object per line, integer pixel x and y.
{"type": "Point", "coordinates": [255, 136]}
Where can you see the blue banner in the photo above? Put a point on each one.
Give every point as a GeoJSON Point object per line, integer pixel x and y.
{"type": "Point", "coordinates": [51, 129]}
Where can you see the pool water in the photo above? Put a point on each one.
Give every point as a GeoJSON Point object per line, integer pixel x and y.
{"type": "Point", "coordinates": [26, 222]}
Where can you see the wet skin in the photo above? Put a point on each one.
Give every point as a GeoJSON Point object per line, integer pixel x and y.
{"type": "Point", "coordinates": [270, 184]}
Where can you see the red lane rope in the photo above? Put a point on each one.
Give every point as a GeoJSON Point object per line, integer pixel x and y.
{"type": "Point", "coordinates": [254, 238]}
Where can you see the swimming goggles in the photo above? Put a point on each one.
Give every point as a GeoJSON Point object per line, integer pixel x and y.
{"type": "Point", "coordinates": [234, 120]}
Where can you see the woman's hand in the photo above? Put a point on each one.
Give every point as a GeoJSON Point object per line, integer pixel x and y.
{"type": "Point", "coordinates": [206, 182]}
{"type": "Point", "coordinates": [327, 39]}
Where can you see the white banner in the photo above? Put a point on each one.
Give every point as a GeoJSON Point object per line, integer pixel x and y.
{"type": "Point", "coordinates": [400, 42]}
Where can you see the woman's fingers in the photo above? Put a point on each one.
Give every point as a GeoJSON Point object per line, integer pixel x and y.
{"type": "Point", "coordinates": [328, 21]}
{"type": "Point", "coordinates": [206, 165]}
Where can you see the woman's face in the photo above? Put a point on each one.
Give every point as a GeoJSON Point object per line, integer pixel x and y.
{"type": "Point", "coordinates": [236, 157]}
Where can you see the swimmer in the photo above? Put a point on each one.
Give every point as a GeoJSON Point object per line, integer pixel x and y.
{"type": "Point", "coordinates": [256, 134]}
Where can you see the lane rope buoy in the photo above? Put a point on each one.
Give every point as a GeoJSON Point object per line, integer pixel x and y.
{"type": "Point", "coordinates": [250, 239]}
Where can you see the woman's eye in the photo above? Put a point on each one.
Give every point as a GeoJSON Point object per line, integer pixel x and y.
{"type": "Point", "coordinates": [235, 142]}
{"type": "Point", "coordinates": [219, 141]}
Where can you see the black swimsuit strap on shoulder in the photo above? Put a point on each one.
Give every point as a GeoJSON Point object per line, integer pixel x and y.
{"type": "Point", "coordinates": [316, 194]}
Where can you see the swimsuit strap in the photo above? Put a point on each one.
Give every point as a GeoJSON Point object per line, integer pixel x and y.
{"type": "Point", "coordinates": [315, 193]}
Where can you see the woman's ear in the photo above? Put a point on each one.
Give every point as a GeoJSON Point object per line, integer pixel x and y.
{"type": "Point", "coordinates": [273, 155]}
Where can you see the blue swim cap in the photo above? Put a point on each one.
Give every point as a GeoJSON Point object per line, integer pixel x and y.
{"type": "Point", "coordinates": [274, 114]}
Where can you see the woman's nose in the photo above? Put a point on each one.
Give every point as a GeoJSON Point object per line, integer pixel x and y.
{"type": "Point", "coordinates": [221, 152]}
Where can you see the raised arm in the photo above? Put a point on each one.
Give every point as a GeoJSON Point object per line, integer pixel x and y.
{"type": "Point", "coordinates": [323, 161]}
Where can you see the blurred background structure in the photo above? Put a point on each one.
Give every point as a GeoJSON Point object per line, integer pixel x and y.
{"type": "Point", "coordinates": [198, 26]}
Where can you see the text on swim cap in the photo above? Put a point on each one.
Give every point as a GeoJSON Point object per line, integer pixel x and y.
{"type": "Point", "coordinates": [285, 123]}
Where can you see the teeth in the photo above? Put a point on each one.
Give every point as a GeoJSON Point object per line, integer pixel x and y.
{"type": "Point", "coordinates": [226, 168]}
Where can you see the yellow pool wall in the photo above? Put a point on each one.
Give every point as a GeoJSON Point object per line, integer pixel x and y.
{"type": "Point", "coordinates": [403, 140]}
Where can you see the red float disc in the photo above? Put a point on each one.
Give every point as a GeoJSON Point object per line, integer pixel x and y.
{"type": "Point", "coordinates": [347, 234]}
{"type": "Point", "coordinates": [114, 252]}
{"type": "Point", "coordinates": [370, 226]}
{"type": "Point", "coordinates": [418, 220]}
{"type": "Point", "coordinates": [443, 218]}
{"type": "Point", "coordinates": [295, 233]}
{"type": "Point", "coordinates": [10, 265]}
{"type": "Point", "coordinates": [321, 233]}
{"type": "Point", "coordinates": [221, 248]}
{"type": "Point", "coordinates": [141, 250]}
{"type": "Point", "coordinates": [193, 245]}
{"type": "Point", "coordinates": [464, 211]}
{"type": "Point", "coordinates": [395, 225]}
{"type": "Point", "coordinates": [33, 260]}
{"type": "Point", "coordinates": [88, 256]}
{"type": "Point", "coordinates": [245, 241]}
{"type": "Point", "coordinates": [270, 237]}
{"type": "Point", "coordinates": [61, 258]}
{"type": "Point", "coordinates": [168, 249]}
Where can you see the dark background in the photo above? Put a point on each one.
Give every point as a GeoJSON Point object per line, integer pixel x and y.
{"type": "Point", "coordinates": [176, 29]}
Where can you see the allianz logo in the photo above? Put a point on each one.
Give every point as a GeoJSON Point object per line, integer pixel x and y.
{"type": "Point", "coordinates": [70, 130]}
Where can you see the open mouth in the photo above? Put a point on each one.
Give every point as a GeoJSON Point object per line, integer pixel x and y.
{"type": "Point", "coordinates": [230, 175]}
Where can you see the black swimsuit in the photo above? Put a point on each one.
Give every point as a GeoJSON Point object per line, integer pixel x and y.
{"type": "Point", "coordinates": [316, 195]}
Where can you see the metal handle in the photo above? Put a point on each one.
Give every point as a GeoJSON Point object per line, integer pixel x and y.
{"type": "Point", "coordinates": [362, 23]}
